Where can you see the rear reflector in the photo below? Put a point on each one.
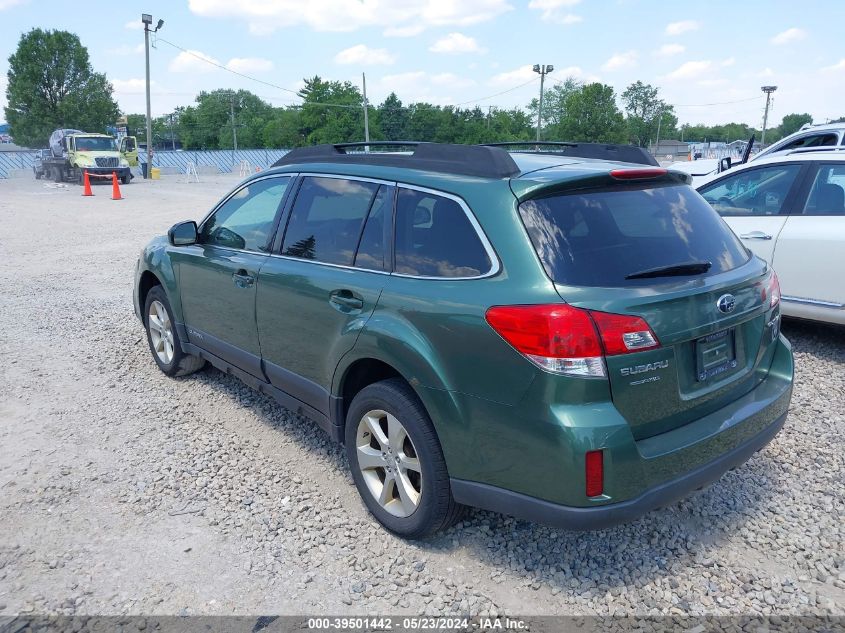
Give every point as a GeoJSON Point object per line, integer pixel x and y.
{"type": "Point", "coordinates": [566, 340]}
{"type": "Point", "coordinates": [594, 472]}
{"type": "Point", "coordinates": [638, 174]}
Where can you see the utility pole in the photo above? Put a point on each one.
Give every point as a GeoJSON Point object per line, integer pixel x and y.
{"type": "Point", "coordinates": [147, 19]}
{"type": "Point", "coordinates": [657, 142]}
{"type": "Point", "coordinates": [768, 90]}
{"type": "Point", "coordinates": [172, 140]}
{"type": "Point", "coordinates": [366, 114]}
{"type": "Point", "coordinates": [489, 113]}
{"type": "Point", "coordinates": [543, 70]}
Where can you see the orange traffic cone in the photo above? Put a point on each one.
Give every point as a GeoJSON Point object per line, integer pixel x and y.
{"type": "Point", "coordinates": [86, 191]}
{"type": "Point", "coordinates": [115, 188]}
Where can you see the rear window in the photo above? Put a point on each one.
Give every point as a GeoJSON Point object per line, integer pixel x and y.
{"type": "Point", "coordinates": [597, 238]}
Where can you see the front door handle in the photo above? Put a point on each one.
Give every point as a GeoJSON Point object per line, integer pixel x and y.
{"type": "Point", "coordinates": [243, 279]}
{"type": "Point", "coordinates": [755, 235]}
{"type": "Point", "coordinates": [345, 301]}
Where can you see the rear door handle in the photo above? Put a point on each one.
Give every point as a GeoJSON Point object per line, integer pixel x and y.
{"type": "Point", "coordinates": [755, 235]}
{"type": "Point", "coordinates": [243, 279]}
{"type": "Point", "coordinates": [345, 300]}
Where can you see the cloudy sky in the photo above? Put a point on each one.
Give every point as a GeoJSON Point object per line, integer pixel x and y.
{"type": "Point", "coordinates": [709, 58]}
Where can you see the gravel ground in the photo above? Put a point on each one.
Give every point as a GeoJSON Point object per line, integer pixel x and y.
{"type": "Point", "coordinates": [126, 492]}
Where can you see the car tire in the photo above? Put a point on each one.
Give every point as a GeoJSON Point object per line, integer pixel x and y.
{"type": "Point", "coordinates": [125, 179]}
{"type": "Point", "coordinates": [400, 473]}
{"type": "Point", "coordinates": [37, 175]}
{"type": "Point", "coordinates": [57, 174]}
{"type": "Point", "coordinates": [163, 337]}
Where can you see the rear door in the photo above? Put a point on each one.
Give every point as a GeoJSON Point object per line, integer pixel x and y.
{"type": "Point", "coordinates": [605, 250]}
{"type": "Point", "coordinates": [321, 285]}
{"type": "Point", "coordinates": [755, 203]}
{"type": "Point", "coordinates": [811, 245]}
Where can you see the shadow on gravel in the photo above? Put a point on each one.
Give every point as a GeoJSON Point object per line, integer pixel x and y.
{"type": "Point", "coordinates": [820, 339]}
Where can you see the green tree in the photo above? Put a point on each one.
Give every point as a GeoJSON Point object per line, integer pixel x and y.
{"type": "Point", "coordinates": [393, 119]}
{"type": "Point", "coordinates": [283, 129]}
{"type": "Point", "coordinates": [554, 105]}
{"type": "Point", "coordinates": [208, 124]}
{"type": "Point", "coordinates": [332, 112]}
{"type": "Point", "coordinates": [645, 109]}
{"type": "Point", "coordinates": [591, 115]}
{"type": "Point", "coordinates": [792, 123]}
{"type": "Point", "coordinates": [51, 85]}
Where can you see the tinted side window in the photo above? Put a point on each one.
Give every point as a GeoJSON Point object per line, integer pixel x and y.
{"type": "Point", "coordinates": [326, 219]}
{"type": "Point", "coordinates": [812, 140]}
{"type": "Point", "coordinates": [245, 220]}
{"type": "Point", "coordinates": [370, 252]}
{"type": "Point", "coordinates": [760, 191]}
{"type": "Point", "coordinates": [435, 238]}
{"type": "Point", "coordinates": [827, 195]}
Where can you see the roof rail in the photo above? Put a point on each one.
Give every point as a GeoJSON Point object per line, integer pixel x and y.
{"type": "Point", "coordinates": [467, 160]}
{"type": "Point", "coordinates": [820, 148]}
{"type": "Point", "coordinates": [595, 151]}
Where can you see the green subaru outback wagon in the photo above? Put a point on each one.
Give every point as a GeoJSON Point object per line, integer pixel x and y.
{"type": "Point", "coordinates": [569, 335]}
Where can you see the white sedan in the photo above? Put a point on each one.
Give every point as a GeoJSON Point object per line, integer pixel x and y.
{"type": "Point", "coordinates": [790, 210]}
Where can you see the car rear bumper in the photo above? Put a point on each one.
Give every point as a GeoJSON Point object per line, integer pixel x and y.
{"type": "Point", "coordinates": [575, 518]}
{"type": "Point", "coordinates": [546, 482]}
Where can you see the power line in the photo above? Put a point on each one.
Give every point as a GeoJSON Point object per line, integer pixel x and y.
{"type": "Point", "coordinates": [532, 80]}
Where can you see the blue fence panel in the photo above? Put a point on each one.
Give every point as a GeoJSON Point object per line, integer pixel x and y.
{"type": "Point", "coordinates": [10, 161]}
{"type": "Point", "coordinates": [224, 160]}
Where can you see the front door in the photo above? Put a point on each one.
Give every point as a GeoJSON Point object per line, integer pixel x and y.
{"type": "Point", "coordinates": [218, 275]}
{"type": "Point", "coordinates": [129, 150]}
{"type": "Point", "coordinates": [315, 296]}
{"type": "Point", "coordinates": [755, 203]}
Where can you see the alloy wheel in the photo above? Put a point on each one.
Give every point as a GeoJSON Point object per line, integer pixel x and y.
{"type": "Point", "coordinates": [389, 463]}
{"type": "Point", "coordinates": [161, 332]}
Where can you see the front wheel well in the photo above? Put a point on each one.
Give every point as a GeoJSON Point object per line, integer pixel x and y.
{"type": "Point", "coordinates": [148, 282]}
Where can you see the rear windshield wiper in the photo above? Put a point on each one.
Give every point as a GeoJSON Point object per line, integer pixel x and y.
{"type": "Point", "coordinates": [675, 270]}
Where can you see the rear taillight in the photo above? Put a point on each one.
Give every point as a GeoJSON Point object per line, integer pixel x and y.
{"type": "Point", "coordinates": [566, 340]}
{"type": "Point", "coordinates": [638, 174]}
{"type": "Point", "coordinates": [774, 290]}
{"type": "Point", "coordinates": [594, 473]}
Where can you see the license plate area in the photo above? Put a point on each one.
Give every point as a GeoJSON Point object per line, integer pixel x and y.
{"type": "Point", "coordinates": [715, 354]}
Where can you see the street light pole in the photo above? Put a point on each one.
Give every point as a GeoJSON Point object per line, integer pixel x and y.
{"type": "Point", "coordinates": [147, 19]}
{"type": "Point", "coordinates": [543, 70]}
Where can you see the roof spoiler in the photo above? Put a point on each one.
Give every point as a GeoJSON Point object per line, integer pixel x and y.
{"type": "Point", "coordinates": [467, 160]}
{"type": "Point", "coordinates": [596, 151]}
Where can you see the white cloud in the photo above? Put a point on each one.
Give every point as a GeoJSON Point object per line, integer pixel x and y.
{"type": "Point", "coordinates": [789, 35]}
{"type": "Point", "coordinates": [730, 61]}
{"type": "Point", "coordinates": [451, 80]}
{"type": "Point", "coordinates": [126, 49]}
{"type": "Point", "coordinates": [689, 70]}
{"type": "Point", "coordinates": [456, 43]}
{"type": "Point", "coordinates": [668, 50]}
{"type": "Point", "coordinates": [766, 73]}
{"type": "Point", "coordinates": [249, 65]}
{"type": "Point", "coordinates": [516, 76]}
{"type": "Point", "coordinates": [134, 25]}
{"type": "Point", "coordinates": [342, 15]}
{"type": "Point", "coordinates": [131, 86]}
{"type": "Point", "coordinates": [840, 65]}
{"type": "Point", "coordinates": [618, 61]}
{"type": "Point", "coordinates": [364, 55]}
{"type": "Point", "coordinates": [8, 4]}
{"type": "Point", "coordinates": [191, 61]}
{"type": "Point", "coordinates": [677, 28]}
{"type": "Point", "coordinates": [554, 10]}
{"type": "Point", "coordinates": [404, 31]}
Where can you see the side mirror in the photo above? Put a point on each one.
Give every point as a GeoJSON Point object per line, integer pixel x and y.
{"type": "Point", "coordinates": [725, 164]}
{"type": "Point", "coordinates": [183, 234]}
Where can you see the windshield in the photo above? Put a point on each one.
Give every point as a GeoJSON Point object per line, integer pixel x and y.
{"type": "Point", "coordinates": [94, 144]}
{"type": "Point", "coordinates": [599, 238]}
